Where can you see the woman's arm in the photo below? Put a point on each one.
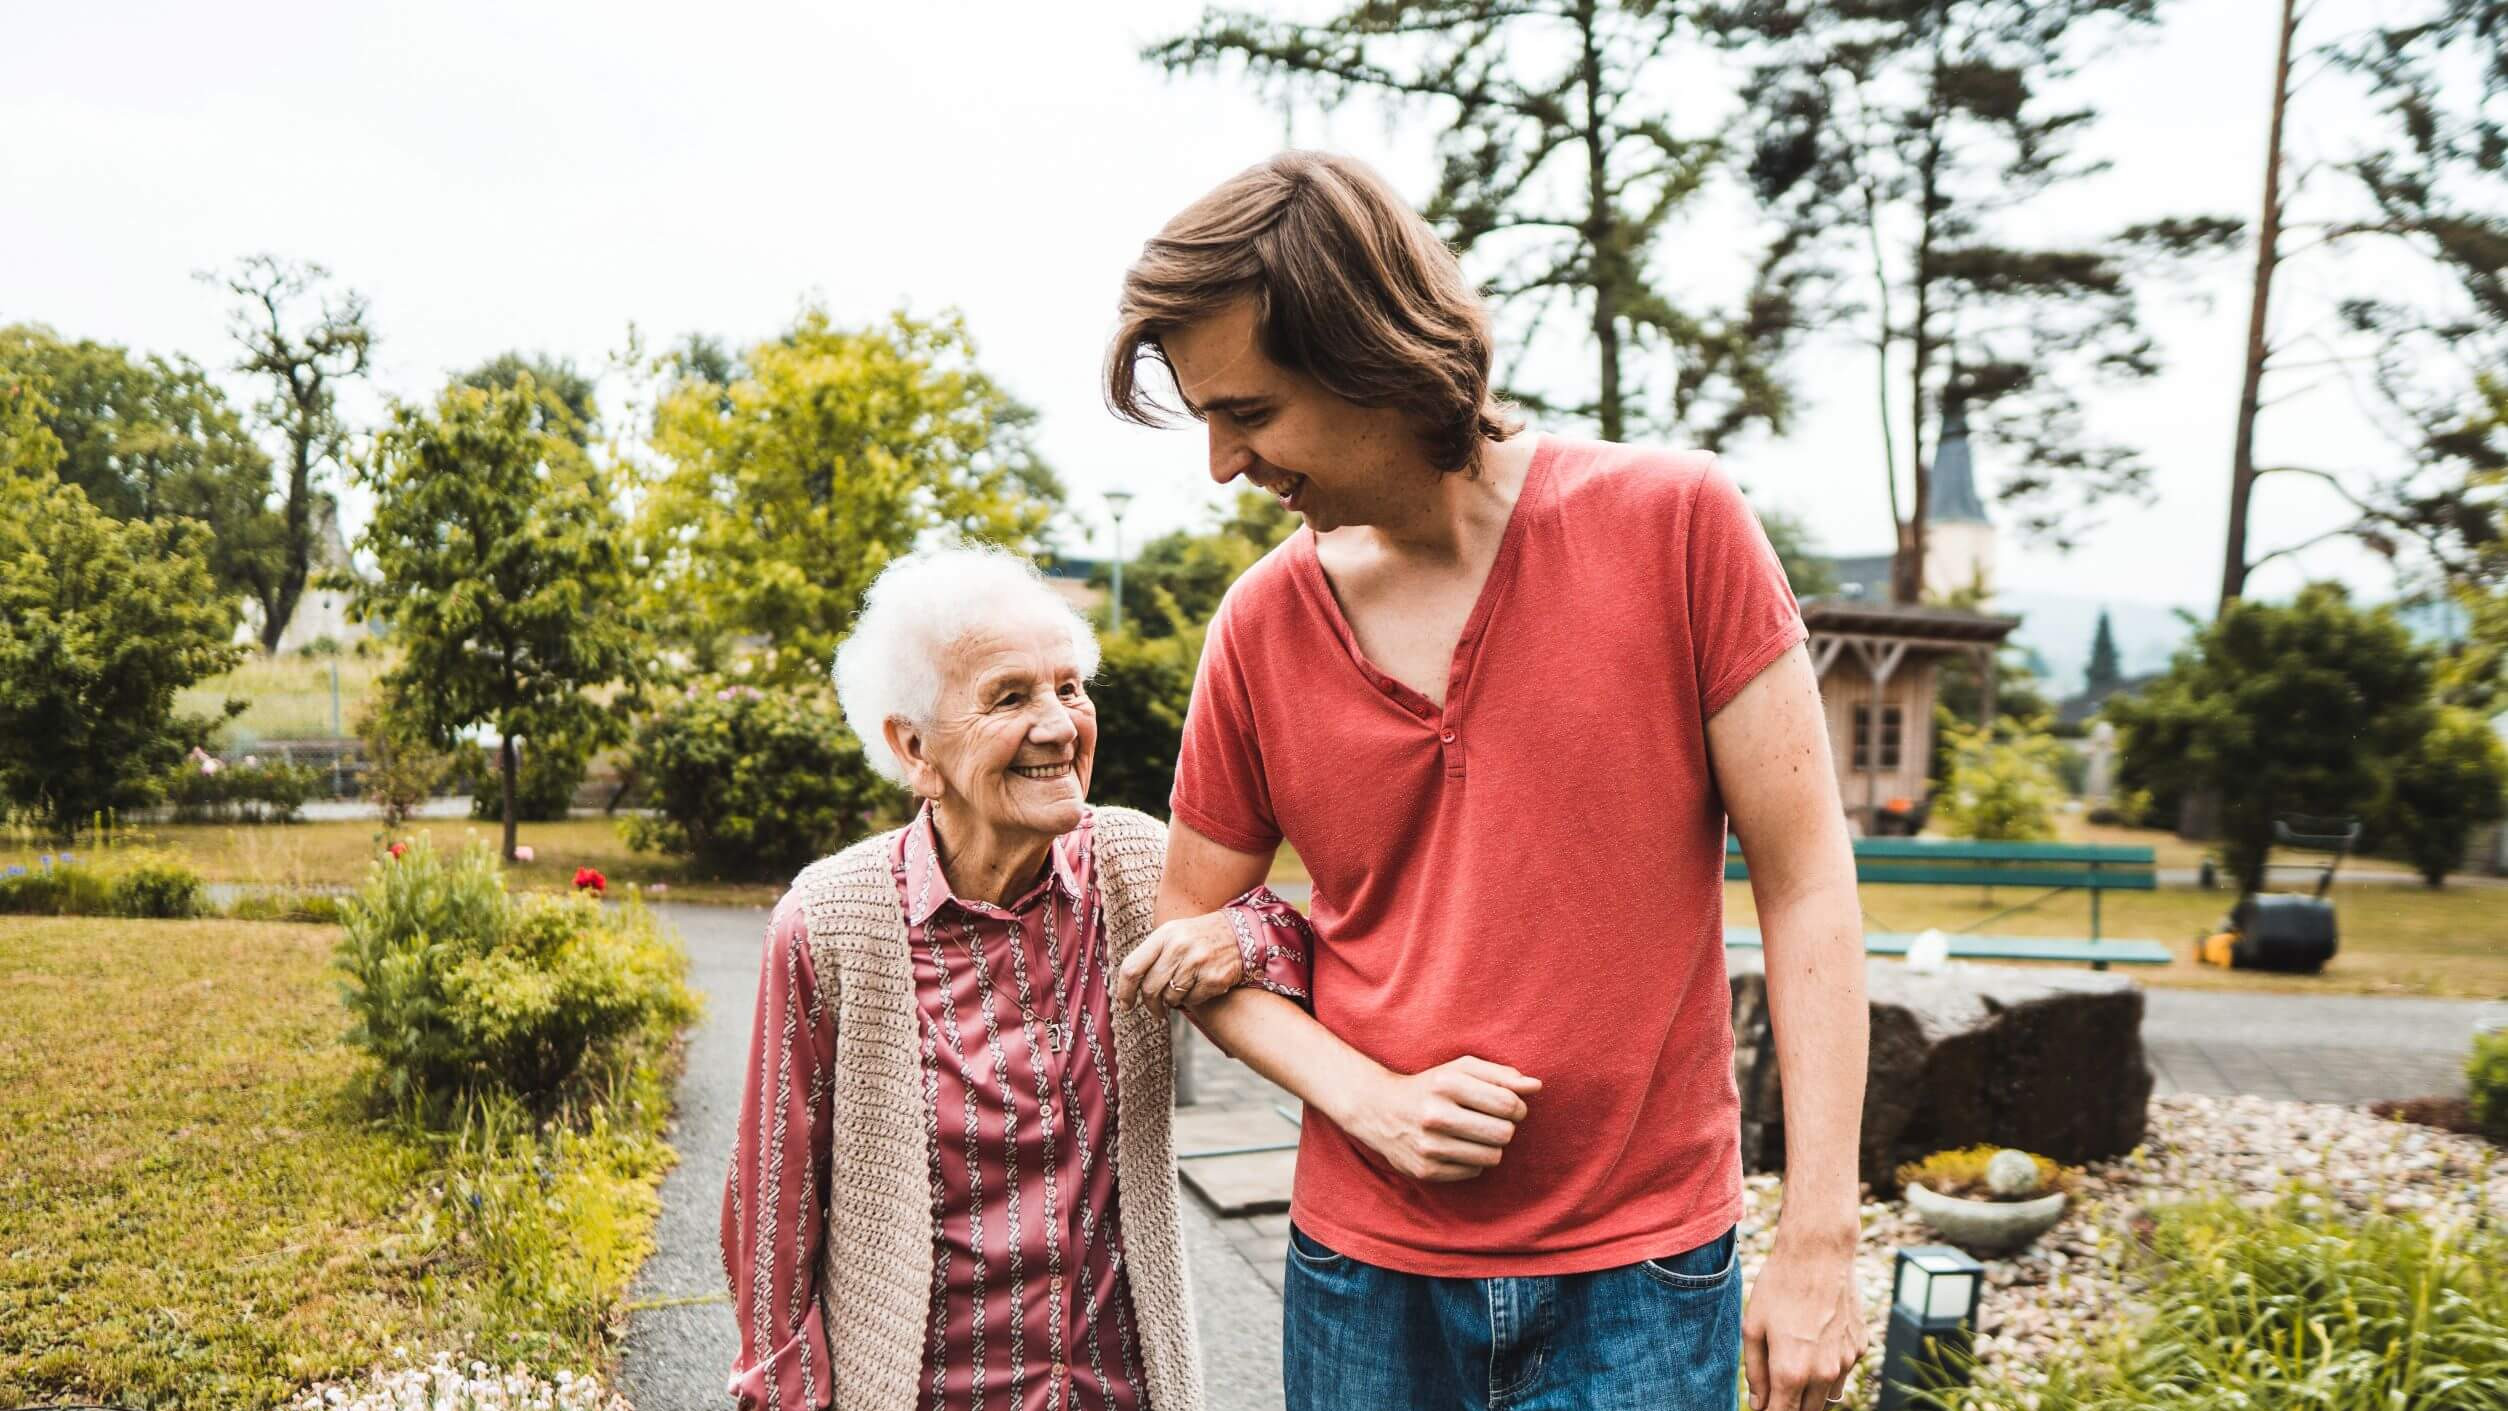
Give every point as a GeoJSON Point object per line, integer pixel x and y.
{"type": "Point", "coordinates": [775, 1197]}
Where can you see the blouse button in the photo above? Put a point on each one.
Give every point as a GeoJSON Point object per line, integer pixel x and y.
{"type": "Point", "coordinates": [1447, 736]}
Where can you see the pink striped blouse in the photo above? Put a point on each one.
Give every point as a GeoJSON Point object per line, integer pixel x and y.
{"type": "Point", "coordinates": [1031, 1310]}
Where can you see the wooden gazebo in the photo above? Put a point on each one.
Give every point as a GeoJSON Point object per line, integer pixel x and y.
{"type": "Point", "coordinates": [1878, 665]}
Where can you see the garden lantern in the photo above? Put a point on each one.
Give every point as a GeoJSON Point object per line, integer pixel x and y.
{"type": "Point", "coordinates": [1933, 1318]}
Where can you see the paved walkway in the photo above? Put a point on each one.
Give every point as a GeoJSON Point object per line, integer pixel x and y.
{"type": "Point", "coordinates": [680, 1340]}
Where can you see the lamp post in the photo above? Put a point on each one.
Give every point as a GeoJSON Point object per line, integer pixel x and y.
{"type": "Point", "coordinates": [1933, 1322]}
{"type": "Point", "coordinates": [1117, 501]}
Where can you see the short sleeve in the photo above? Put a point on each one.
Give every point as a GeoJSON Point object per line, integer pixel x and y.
{"type": "Point", "coordinates": [1221, 790]}
{"type": "Point", "coordinates": [1742, 612]}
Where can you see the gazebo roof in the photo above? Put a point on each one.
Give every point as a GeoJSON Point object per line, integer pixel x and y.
{"type": "Point", "coordinates": [1914, 622]}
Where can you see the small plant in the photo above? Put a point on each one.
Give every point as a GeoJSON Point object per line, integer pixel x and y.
{"type": "Point", "coordinates": [2486, 1083]}
{"type": "Point", "coordinates": [1962, 1173]}
{"type": "Point", "coordinates": [461, 990]}
{"type": "Point", "coordinates": [2004, 782]}
{"type": "Point", "coordinates": [158, 888]}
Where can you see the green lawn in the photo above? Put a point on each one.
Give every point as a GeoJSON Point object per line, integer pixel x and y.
{"type": "Point", "coordinates": [195, 1213]}
{"type": "Point", "coordinates": [325, 854]}
{"type": "Point", "coordinates": [290, 696]}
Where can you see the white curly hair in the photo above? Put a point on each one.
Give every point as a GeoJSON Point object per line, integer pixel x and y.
{"type": "Point", "coordinates": [919, 607]}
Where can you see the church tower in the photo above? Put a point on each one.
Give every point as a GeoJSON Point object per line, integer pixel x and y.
{"type": "Point", "coordinates": [1959, 539]}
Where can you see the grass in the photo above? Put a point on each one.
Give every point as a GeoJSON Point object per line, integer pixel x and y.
{"type": "Point", "coordinates": [2284, 1306]}
{"type": "Point", "coordinates": [289, 696]}
{"type": "Point", "coordinates": [2395, 940]}
{"type": "Point", "coordinates": [197, 1211]}
{"type": "Point", "coordinates": [336, 854]}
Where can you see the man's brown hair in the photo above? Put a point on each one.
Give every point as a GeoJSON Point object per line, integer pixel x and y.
{"type": "Point", "coordinates": [1350, 287]}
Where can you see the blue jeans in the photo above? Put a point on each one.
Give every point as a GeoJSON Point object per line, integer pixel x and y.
{"type": "Point", "coordinates": [1663, 1335]}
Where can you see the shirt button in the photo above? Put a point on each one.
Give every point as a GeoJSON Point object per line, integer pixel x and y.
{"type": "Point", "coordinates": [1447, 736]}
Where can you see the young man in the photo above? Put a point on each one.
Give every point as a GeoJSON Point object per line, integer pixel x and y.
{"type": "Point", "coordinates": [1501, 698]}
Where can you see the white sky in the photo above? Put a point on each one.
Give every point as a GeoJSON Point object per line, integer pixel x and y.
{"type": "Point", "coordinates": [540, 176]}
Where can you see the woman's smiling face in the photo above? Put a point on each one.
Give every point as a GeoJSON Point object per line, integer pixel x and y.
{"type": "Point", "coordinates": [1014, 733]}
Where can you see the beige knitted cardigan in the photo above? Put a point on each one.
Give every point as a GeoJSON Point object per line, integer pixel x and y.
{"type": "Point", "coordinates": [877, 1284]}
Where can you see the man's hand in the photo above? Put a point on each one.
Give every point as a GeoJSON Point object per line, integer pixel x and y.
{"type": "Point", "coordinates": [1448, 1124]}
{"type": "Point", "coordinates": [1804, 1328]}
{"type": "Point", "coordinates": [1181, 964]}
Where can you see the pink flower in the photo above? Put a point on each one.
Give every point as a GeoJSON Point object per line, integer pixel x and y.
{"type": "Point", "coordinates": [522, 852]}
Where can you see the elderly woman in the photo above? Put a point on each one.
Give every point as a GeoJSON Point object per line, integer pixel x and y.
{"type": "Point", "coordinates": [954, 1186]}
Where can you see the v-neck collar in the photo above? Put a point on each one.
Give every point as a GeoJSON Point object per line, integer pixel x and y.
{"type": "Point", "coordinates": [1310, 571]}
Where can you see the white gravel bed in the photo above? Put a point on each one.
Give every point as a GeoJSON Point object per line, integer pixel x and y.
{"type": "Point", "coordinates": [2068, 1290]}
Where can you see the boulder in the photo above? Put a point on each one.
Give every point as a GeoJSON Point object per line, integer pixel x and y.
{"type": "Point", "coordinates": [2045, 1060]}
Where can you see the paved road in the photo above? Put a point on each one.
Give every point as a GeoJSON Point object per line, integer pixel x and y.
{"type": "Point", "coordinates": [680, 1346]}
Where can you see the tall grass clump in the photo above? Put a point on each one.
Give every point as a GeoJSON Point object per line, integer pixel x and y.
{"type": "Point", "coordinates": [2288, 1306]}
{"type": "Point", "coordinates": [461, 991]}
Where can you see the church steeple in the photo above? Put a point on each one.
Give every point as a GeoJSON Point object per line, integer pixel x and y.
{"type": "Point", "coordinates": [1951, 498]}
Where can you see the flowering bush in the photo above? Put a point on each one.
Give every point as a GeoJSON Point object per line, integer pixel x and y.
{"type": "Point", "coordinates": [441, 1385]}
{"type": "Point", "coordinates": [205, 788]}
{"type": "Point", "coordinates": [459, 988]}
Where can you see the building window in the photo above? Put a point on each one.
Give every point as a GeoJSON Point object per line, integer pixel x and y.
{"type": "Point", "coordinates": [1889, 737]}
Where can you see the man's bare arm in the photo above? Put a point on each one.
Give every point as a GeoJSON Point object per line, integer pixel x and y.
{"type": "Point", "coordinates": [1770, 749]}
{"type": "Point", "coordinates": [1447, 1124]}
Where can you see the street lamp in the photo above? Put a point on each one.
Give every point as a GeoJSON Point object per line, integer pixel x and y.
{"type": "Point", "coordinates": [1116, 502]}
{"type": "Point", "coordinates": [1933, 1322]}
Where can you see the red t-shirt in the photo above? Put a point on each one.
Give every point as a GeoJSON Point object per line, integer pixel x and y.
{"type": "Point", "coordinates": [1533, 875]}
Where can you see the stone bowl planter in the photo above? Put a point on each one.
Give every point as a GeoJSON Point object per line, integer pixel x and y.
{"type": "Point", "coordinates": [1986, 1226]}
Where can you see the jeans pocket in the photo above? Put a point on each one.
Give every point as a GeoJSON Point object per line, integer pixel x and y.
{"type": "Point", "coordinates": [1709, 1266]}
{"type": "Point", "coordinates": [1307, 1250]}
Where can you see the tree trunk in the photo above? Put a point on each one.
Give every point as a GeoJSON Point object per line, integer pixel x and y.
{"type": "Point", "coordinates": [1600, 232]}
{"type": "Point", "coordinates": [2267, 254]}
{"type": "Point", "coordinates": [298, 547]}
{"type": "Point", "coordinates": [505, 769]}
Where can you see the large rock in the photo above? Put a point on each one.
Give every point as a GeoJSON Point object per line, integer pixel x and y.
{"type": "Point", "coordinates": [2045, 1060]}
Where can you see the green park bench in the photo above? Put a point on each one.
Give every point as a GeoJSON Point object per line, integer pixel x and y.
{"type": "Point", "coordinates": [2051, 868]}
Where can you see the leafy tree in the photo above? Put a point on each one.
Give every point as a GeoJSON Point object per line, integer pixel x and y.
{"type": "Point", "coordinates": [1175, 582]}
{"type": "Point", "coordinates": [1142, 687]}
{"type": "Point", "coordinates": [402, 769]}
{"type": "Point", "coordinates": [2426, 185]}
{"type": "Point", "coordinates": [27, 445]}
{"type": "Point", "coordinates": [302, 359]}
{"type": "Point", "coordinates": [782, 495]}
{"type": "Point", "coordinates": [2004, 781]}
{"type": "Point", "coordinates": [1563, 163]}
{"type": "Point", "coordinates": [2452, 781]}
{"type": "Point", "coordinates": [502, 574]}
{"type": "Point", "coordinates": [568, 397]}
{"type": "Point", "coordinates": [2279, 709]}
{"type": "Point", "coordinates": [102, 621]}
{"type": "Point", "coordinates": [1900, 144]}
{"type": "Point", "coordinates": [150, 439]}
{"type": "Point", "coordinates": [2104, 674]}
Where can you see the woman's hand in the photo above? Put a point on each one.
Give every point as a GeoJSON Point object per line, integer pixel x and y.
{"type": "Point", "coordinates": [1182, 964]}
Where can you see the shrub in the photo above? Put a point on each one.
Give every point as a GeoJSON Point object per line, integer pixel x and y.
{"type": "Point", "coordinates": [402, 769]}
{"type": "Point", "coordinates": [751, 783]}
{"type": "Point", "coordinates": [2004, 782]}
{"type": "Point", "coordinates": [2486, 1083]}
{"type": "Point", "coordinates": [2285, 1307]}
{"type": "Point", "coordinates": [545, 779]}
{"type": "Point", "coordinates": [320, 908]}
{"type": "Point", "coordinates": [459, 989]}
{"type": "Point", "coordinates": [58, 886]}
{"type": "Point", "coordinates": [2453, 779]}
{"type": "Point", "coordinates": [206, 789]}
{"type": "Point", "coordinates": [155, 887]}
{"type": "Point", "coordinates": [1142, 687]}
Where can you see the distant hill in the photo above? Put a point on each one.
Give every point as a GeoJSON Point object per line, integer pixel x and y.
{"type": "Point", "coordinates": [2057, 627]}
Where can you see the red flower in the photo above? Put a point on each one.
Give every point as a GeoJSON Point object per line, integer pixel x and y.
{"type": "Point", "coordinates": [397, 849]}
{"type": "Point", "coordinates": [590, 880]}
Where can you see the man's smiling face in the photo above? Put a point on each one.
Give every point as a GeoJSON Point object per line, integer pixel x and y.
{"type": "Point", "coordinates": [1331, 460]}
